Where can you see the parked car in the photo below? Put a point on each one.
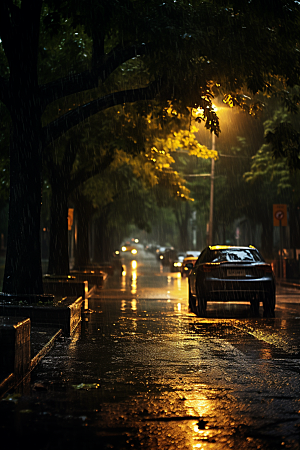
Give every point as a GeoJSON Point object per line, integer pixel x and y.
{"type": "Point", "coordinates": [231, 274]}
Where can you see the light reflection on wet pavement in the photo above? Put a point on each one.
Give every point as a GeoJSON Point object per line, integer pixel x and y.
{"type": "Point", "coordinates": [142, 372]}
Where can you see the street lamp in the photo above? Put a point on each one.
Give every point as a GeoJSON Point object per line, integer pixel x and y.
{"type": "Point", "coordinates": [211, 203]}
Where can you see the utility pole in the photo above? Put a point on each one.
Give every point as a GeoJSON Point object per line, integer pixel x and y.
{"type": "Point", "coordinates": [211, 207]}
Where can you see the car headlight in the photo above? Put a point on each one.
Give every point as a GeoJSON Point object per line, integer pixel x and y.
{"type": "Point", "coordinates": [134, 251]}
{"type": "Point", "coordinates": [177, 264]}
{"type": "Point", "coordinates": [124, 248]}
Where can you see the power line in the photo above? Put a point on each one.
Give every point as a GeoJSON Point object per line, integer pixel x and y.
{"type": "Point", "coordinates": [197, 175]}
{"type": "Point", "coordinates": [234, 156]}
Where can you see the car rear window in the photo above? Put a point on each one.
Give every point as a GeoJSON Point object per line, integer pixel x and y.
{"type": "Point", "coordinates": [234, 255]}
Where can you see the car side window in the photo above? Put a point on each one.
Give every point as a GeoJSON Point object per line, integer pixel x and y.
{"type": "Point", "coordinates": [202, 257]}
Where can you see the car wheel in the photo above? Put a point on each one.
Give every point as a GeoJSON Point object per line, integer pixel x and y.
{"type": "Point", "coordinates": [191, 300]}
{"type": "Point", "coordinates": [254, 307]}
{"type": "Point", "coordinates": [200, 303]}
{"type": "Point", "coordinates": [269, 305]}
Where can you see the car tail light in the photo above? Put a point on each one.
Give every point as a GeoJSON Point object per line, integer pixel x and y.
{"type": "Point", "coordinates": [267, 268]}
{"type": "Point", "coordinates": [206, 268]}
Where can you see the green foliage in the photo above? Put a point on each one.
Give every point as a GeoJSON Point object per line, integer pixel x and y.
{"type": "Point", "coordinates": [275, 159]}
{"type": "Point", "coordinates": [96, 57]}
{"type": "Point", "coordinates": [285, 144]}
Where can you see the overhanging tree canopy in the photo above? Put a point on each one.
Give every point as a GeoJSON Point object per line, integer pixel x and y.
{"type": "Point", "coordinates": [187, 51]}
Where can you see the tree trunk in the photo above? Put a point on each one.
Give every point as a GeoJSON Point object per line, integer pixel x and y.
{"type": "Point", "coordinates": [58, 246]}
{"type": "Point", "coordinates": [104, 239]}
{"type": "Point", "coordinates": [84, 212]}
{"type": "Point", "coordinates": [82, 254]}
{"type": "Point", "coordinates": [23, 269]}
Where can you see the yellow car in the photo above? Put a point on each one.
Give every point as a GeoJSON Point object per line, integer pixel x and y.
{"type": "Point", "coordinates": [185, 271]}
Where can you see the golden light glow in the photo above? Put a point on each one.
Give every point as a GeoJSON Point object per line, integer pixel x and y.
{"type": "Point", "coordinates": [177, 264]}
{"type": "Point", "coordinates": [133, 304]}
{"type": "Point", "coordinates": [133, 277]}
{"type": "Point", "coordinates": [134, 251]}
{"type": "Point", "coordinates": [124, 248]}
{"type": "Point", "coordinates": [123, 305]}
{"type": "Point", "coordinates": [123, 280]}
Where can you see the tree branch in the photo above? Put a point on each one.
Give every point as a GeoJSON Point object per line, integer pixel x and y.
{"type": "Point", "coordinates": [85, 174]}
{"type": "Point", "coordinates": [60, 126]}
{"type": "Point", "coordinates": [119, 55]}
{"type": "Point", "coordinates": [73, 84]}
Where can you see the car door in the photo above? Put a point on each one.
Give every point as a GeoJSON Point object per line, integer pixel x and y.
{"type": "Point", "coordinates": [193, 273]}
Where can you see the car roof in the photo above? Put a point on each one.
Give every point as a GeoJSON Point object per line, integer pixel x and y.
{"type": "Point", "coordinates": [224, 247]}
{"type": "Point", "coordinates": [190, 257]}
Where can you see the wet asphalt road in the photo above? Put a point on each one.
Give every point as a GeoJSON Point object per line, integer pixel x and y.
{"type": "Point", "coordinates": [141, 372]}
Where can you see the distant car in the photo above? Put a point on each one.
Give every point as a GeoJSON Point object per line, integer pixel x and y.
{"type": "Point", "coordinates": [185, 269]}
{"type": "Point", "coordinates": [225, 273]}
{"type": "Point", "coordinates": [194, 253]}
{"type": "Point", "coordinates": [151, 248]}
{"type": "Point", "coordinates": [129, 249]}
{"type": "Point", "coordinates": [176, 265]}
{"type": "Point", "coordinates": [159, 252]}
{"type": "Point", "coordinates": [168, 255]}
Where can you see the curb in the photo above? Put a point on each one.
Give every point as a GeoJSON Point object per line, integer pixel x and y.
{"type": "Point", "coordinates": [288, 284]}
{"type": "Point", "coordinates": [11, 382]}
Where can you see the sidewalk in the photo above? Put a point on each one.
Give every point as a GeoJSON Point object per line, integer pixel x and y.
{"type": "Point", "coordinates": [42, 340]}
{"type": "Point", "coordinates": [288, 283]}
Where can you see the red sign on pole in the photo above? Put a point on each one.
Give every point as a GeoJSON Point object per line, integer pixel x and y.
{"type": "Point", "coordinates": [280, 215]}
